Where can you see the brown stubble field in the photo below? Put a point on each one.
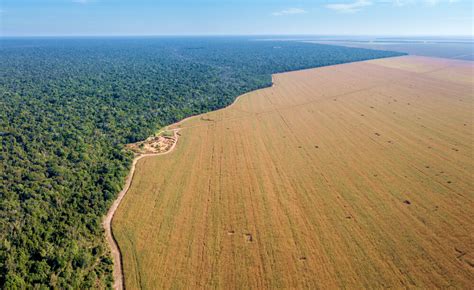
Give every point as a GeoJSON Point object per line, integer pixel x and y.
{"type": "Point", "coordinates": [355, 175]}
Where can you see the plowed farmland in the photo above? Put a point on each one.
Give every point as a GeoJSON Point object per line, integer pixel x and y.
{"type": "Point", "coordinates": [354, 175]}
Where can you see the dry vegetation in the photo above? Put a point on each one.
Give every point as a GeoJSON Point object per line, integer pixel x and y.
{"type": "Point", "coordinates": [355, 175]}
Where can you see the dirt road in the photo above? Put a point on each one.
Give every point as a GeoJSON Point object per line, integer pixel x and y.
{"type": "Point", "coordinates": [107, 223]}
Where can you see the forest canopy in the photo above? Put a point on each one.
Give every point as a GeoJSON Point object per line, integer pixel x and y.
{"type": "Point", "coordinates": [68, 106]}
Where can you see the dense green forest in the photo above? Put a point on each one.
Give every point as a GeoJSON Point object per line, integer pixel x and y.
{"type": "Point", "coordinates": [68, 106]}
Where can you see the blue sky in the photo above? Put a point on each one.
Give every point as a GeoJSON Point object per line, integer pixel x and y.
{"type": "Point", "coordinates": [204, 17]}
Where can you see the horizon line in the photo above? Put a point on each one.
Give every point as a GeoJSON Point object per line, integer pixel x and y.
{"type": "Point", "coordinates": [233, 35]}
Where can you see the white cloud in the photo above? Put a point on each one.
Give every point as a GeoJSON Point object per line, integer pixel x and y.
{"type": "Point", "coordinates": [358, 5]}
{"type": "Point", "coordinates": [413, 2]}
{"type": "Point", "coordinates": [400, 3]}
{"type": "Point", "coordinates": [432, 2]}
{"type": "Point", "coordinates": [349, 7]}
{"type": "Point", "coordinates": [289, 12]}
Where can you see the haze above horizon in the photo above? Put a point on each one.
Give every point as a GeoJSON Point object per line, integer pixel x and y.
{"type": "Point", "coordinates": [230, 17]}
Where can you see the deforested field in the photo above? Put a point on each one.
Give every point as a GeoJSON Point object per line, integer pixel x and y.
{"type": "Point", "coordinates": [354, 175]}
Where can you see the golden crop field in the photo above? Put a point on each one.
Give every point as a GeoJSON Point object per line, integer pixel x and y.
{"type": "Point", "coordinates": [355, 175]}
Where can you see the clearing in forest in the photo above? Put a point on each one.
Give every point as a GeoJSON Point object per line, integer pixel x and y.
{"type": "Point", "coordinates": [354, 175]}
{"type": "Point", "coordinates": [159, 143]}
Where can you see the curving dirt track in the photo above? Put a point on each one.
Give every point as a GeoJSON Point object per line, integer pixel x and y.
{"type": "Point", "coordinates": [107, 222]}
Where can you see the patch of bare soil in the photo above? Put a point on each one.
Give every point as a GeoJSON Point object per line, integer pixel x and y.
{"type": "Point", "coordinates": [153, 144]}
